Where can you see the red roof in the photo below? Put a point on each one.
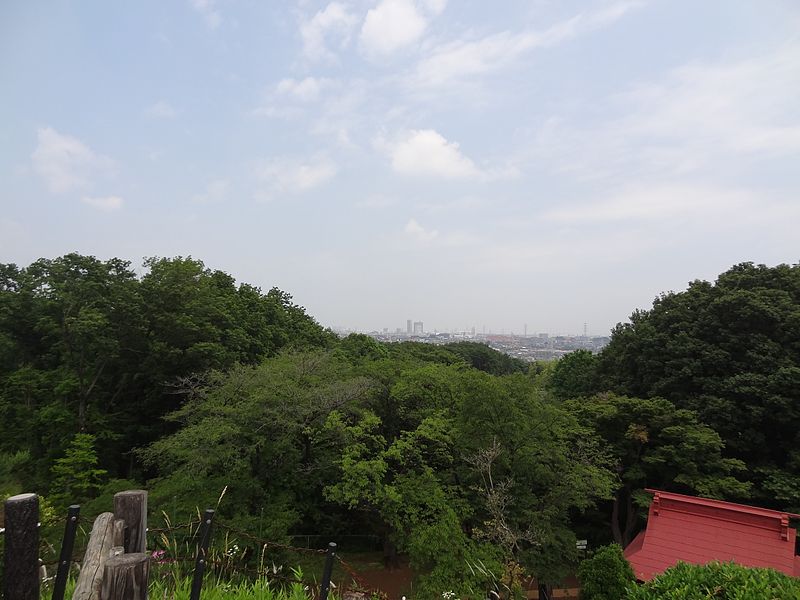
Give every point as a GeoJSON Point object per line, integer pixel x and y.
{"type": "Point", "coordinates": [701, 530]}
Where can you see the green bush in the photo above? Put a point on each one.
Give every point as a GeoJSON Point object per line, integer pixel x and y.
{"type": "Point", "coordinates": [606, 575]}
{"type": "Point", "coordinates": [720, 581]}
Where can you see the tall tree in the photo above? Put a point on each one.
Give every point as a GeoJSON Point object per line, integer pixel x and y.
{"type": "Point", "coordinates": [654, 444]}
{"type": "Point", "coordinates": [730, 352]}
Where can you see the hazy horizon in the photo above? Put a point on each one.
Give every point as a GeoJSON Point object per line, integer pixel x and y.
{"type": "Point", "coordinates": [458, 163]}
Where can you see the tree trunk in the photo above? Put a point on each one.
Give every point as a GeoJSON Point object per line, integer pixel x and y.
{"type": "Point", "coordinates": [390, 558]}
{"type": "Point", "coordinates": [615, 530]}
{"type": "Point", "coordinates": [545, 591]}
{"type": "Point", "coordinates": [630, 520]}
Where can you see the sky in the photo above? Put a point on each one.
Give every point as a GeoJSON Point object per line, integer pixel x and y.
{"type": "Point", "coordinates": [540, 163]}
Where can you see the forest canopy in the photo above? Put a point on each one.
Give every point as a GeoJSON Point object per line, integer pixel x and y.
{"type": "Point", "coordinates": [183, 381]}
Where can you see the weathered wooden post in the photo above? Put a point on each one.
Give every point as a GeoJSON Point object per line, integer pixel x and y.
{"type": "Point", "coordinates": [101, 540]}
{"type": "Point", "coordinates": [21, 557]}
{"type": "Point", "coordinates": [119, 532]}
{"type": "Point", "coordinates": [125, 577]}
{"type": "Point", "coordinates": [65, 558]}
{"type": "Point", "coordinates": [202, 555]}
{"type": "Point", "coordinates": [131, 507]}
{"type": "Point", "coordinates": [327, 572]}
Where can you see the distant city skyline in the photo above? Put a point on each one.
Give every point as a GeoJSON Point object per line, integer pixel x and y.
{"type": "Point", "coordinates": [477, 331]}
{"type": "Point", "coordinates": [459, 163]}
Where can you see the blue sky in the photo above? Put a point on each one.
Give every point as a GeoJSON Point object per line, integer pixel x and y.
{"type": "Point", "coordinates": [469, 163]}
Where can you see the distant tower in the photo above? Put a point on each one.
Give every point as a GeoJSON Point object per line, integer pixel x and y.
{"type": "Point", "coordinates": [526, 330]}
{"type": "Point", "coordinates": [584, 330]}
{"type": "Point", "coordinates": [408, 326]}
{"type": "Point", "coordinates": [418, 327]}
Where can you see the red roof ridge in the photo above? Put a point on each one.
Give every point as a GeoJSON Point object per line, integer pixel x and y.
{"type": "Point", "coordinates": [722, 504]}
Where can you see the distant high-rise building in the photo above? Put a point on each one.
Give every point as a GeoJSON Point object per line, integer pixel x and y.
{"type": "Point", "coordinates": [408, 326]}
{"type": "Point", "coordinates": [418, 327]}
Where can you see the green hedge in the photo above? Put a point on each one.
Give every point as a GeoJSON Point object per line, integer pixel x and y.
{"type": "Point", "coordinates": [717, 581]}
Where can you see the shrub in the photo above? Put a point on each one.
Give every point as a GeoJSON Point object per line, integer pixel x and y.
{"type": "Point", "coordinates": [720, 581]}
{"type": "Point", "coordinates": [606, 575]}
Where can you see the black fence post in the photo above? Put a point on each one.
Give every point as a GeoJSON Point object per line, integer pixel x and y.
{"type": "Point", "coordinates": [65, 558]}
{"type": "Point", "coordinates": [202, 552]}
{"type": "Point", "coordinates": [327, 571]}
{"type": "Point", "coordinates": [21, 559]}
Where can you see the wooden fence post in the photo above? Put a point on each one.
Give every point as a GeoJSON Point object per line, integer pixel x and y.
{"type": "Point", "coordinates": [131, 507]}
{"type": "Point", "coordinates": [125, 577]}
{"type": "Point", "coordinates": [327, 571]}
{"type": "Point", "coordinates": [119, 532]}
{"type": "Point", "coordinates": [21, 557]}
{"type": "Point", "coordinates": [101, 540]}
{"type": "Point", "coordinates": [65, 558]}
{"type": "Point", "coordinates": [202, 555]}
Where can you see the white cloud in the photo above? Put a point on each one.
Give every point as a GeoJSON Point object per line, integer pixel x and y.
{"type": "Point", "coordinates": [161, 110]}
{"type": "Point", "coordinates": [107, 203]}
{"type": "Point", "coordinates": [282, 175]}
{"type": "Point", "coordinates": [305, 90]}
{"type": "Point", "coordinates": [464, 58]}
{"type": "Point", "coordinates": [390, 26]}
{"type": "Point", "coordinates": [66, 163]}
{"type": "Point", "coordinates": [216, 191]}
{"type": "Point", "coordinates": [658, 202]}
{"type": "Point", "coordinates": [418, 232]}
{"type": "Point", "coordinates": [746, 106]}
{"type": "Point", "coordinates": [376, 201]}
{"type": "Point", "coordinates": [435, 7]}
{"type": "Point", "coordinates": [426, 152]}
{"type": "Point", "coordinates": [209, 12]}
{"type": "Point", "coordinates": [334, 21]}
{"type": "Point", "coordinates": [697, 117]}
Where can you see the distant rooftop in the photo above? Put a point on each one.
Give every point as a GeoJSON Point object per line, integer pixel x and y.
{"type": "Point", "coordinates": [701, 530]}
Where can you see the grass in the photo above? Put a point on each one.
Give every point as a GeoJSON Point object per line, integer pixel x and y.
{"type": "Point", "coordinates": [162, 588]}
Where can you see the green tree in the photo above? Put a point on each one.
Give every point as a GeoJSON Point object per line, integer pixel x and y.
{"type": "Point", "coordinates": [654, 444]}
{"type": "Point", "coordinates": [532, 468]}
{"type": "Point", "coordinates": [259, 431]}
{"type": "Point", "coordinates": [76, 476]}
{"type": "Point", "coordinates": [574, 375]}
{"type": "Point", "coordinates": [728, 351]}
{"type": "Point", "coordinates": [480, 356]}
{"type": "Point", "coordinates": [606, 575]}
{"type": "Point", "coordinates": [87, 346]}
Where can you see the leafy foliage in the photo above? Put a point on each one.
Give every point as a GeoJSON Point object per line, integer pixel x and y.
{"type": "Point", "coordinates": [657, 445]}
{"type": "Point", "coordinates": [574, 375]}
{"type": "Point", "coordinates": [86, 346]}
{"type": "Point", "coordinates": [76, 477]}
{"type": "Point", "coordinates": [477, 467]}
{"type": "Point", "coordinates": [730, 352]}
{"type": "Point", "coordinates": [726, 581]}
{"type": "Point", "coordinates": [606, 575]}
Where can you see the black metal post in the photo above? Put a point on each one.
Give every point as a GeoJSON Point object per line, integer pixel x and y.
{"type": "Point", "coordinates": [65, 558]}
{"type": "Point", "coordinates": [21, 557]}
{"type": "Point", "coordinates": [327, 571]}
{"type": "Point", "coordinates": [202, 552]}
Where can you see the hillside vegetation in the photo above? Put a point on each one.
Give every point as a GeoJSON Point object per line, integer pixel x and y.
{"type": "Point", "coordinates": [478, 468]}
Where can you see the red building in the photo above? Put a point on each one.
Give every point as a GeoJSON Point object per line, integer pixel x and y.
{"type": "Point", "coordinates": [701, 530]}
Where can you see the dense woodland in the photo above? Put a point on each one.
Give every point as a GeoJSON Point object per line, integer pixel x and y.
{"type": "Point", "coordinates": [458, 458]}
